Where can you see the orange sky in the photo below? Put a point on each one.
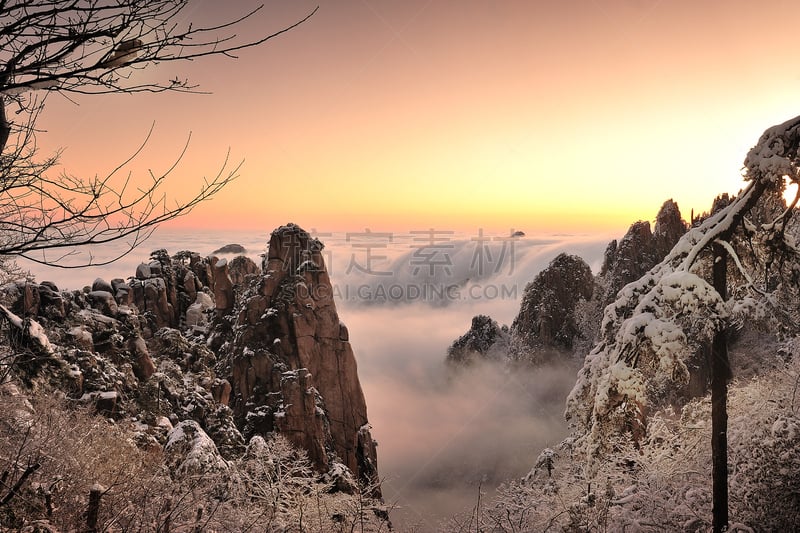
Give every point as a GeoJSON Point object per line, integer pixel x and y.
{"type": "Point", "coordinates": [578, 116]}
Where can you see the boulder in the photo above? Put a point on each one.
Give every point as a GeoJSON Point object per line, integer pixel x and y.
{"type": "Point", "coordinates": [197, 313]}
{"type": "Point", "coordinates": [105, 402]}
{"type": "Point", "coordinates": [223, 286]}
{"type": "Point", "coordinates": [26, 297]}
{"type": "Point", "coordinates": [143, 271]}
{"type": "Point", "coordinates": [51, 303]}
{"type": "Point", "coordinates": [190, 285]}
{"type": "Point", "coordinates": [143, 366]}
{"type": "Point", "coordinates": [81, 338]}
{"type": "Point", "coordinates": [104, 302]}
{"type": "Point", "coordinates": [122, 292]}
{"type": "Point", "coordinates": [100, 284]}
{"type": "Point", "coordinates": [150, 295]}
{"type": "Point", "coordinates": [221, 391]}
{"type": "Point", "coordinates": [50, 285]}
{"type": "Point", "coordinates": [190, 452]}
{"type": "Point", "coordinates": [155, 267]}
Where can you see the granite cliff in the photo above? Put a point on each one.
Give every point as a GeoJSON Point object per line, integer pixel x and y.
{"type": "Point", "coordinates": [290, 362]}
{"type": "Point", "coordinates": [201, 357]}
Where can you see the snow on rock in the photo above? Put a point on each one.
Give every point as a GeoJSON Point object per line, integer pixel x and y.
{"type": "Point", "coordinates": [547, 315]}
{"type": "Point", "coordinates": [292, 368]}
{"type": "Point", "coordinates": [639, 250]}
{"type": "Point", "coordinates": [197, 313]}
{"type": "Point", "coordinates": [281, 358]}
{"type": "Point", "coordinates": [31, 331]}
{"type": "Point", "coordinates": [655, 325]}
{"type": "Point", "coordinates": [105, 402]}
{"type": "Point", "coordinates": [786, 428]}
{"type": "Point", "coordinates": [484, 340]}
{"type": "Point", "coordinates": [670, 314]}
{"type": "Point", "coordinates": [340, 479]}
{"type": "Point", "coordinates": [545, 462]}
{"type": "Point", "coordinates": [189, 451]}
{"type": "Point", "coordinates": [771, 157]}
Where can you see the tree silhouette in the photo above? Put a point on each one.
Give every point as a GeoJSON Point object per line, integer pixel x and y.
{"type": "Point", "coordinates": [92, 47]}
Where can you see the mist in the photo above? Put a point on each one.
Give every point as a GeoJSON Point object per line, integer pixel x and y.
{"type": "Point", "coordinates": [444, 435]}
{"type": "Point", "coordinates": [440, 435]}
{"type": "Point", "coordinates": [67, 275]}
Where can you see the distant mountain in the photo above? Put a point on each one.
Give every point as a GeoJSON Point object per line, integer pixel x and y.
{"type": "Point", "coordinates": [484, 340]}
{"type": "Point", "coordinates": [562, 306]}
{"type": "Point", "coordinates": [230, 249]}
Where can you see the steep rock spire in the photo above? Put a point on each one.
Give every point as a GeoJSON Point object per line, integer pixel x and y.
{"type": "Point", "coordinates": [291, 364]}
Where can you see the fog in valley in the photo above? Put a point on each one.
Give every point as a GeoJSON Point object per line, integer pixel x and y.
{"type": "Point", "coordinates": [442, 435]}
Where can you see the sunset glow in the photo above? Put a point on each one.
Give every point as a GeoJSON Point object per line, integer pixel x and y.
{"type": "Point", "coordinates": [577, 117]}
{"type": "Point", "coordinates": [310, 265]}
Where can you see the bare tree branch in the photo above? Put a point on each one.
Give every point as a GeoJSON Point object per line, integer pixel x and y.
{"type": "Point", "coordinates": [93, 47]}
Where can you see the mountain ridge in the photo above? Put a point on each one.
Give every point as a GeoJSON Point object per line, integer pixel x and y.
{"type": "Point", "coordinates": [207, 361]}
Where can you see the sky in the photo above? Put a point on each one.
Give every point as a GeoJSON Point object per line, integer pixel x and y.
{"type": "Point", "coordinates": [573, 116]}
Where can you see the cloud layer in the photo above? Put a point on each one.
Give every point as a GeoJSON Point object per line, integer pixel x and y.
{"type": "Point", "coordinates": [440, 436]}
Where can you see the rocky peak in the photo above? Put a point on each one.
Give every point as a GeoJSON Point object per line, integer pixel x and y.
{"type": "Point", "coordinates": [562, 306]}
{"type": "Point", "coordinates": [669, 228]}
{"type": "Point", "coordinates": [235, 351]}
{"type": "Point", "coordinates": [481, 341]}
{"type": "Point", "coordinates": [291, 365]}
{"type": "Point", "coordinates": [640, 249]}
{"type": "Point", "coordinates": [547, 313]}
{"type": "Point", "coordinates": [624, 260]}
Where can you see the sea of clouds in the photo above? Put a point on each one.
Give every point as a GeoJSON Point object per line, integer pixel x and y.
{"type": "Point", "coordinates": [405, 298]}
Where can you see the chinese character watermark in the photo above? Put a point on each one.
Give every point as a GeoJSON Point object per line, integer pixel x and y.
{"type": "Point", "coordinates": [434, 253]}
{"type": "Point", "coordinates": [372, 240]}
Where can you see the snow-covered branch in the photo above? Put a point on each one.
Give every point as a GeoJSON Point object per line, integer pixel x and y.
{"type": "Point", "coordinates": [667, 318]}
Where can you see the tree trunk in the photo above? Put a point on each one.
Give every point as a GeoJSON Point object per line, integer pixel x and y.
{"type": "Point", "coordinates": [5, 128]}
{"type": "Point", "coordinates": [93, 510]}
{"type": "Point", "coordinates": [720, 373]}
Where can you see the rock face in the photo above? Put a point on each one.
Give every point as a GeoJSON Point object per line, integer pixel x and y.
{"type": "Point", "coordinates": [484, 340]}
{"type": "Point", "coordinates": [546, 317]}
{"type": "Point", "coordinates": [562, 307]}
{"type": "Point", "coordinates": [220, 349]}
{"type": "Point", "coordinates": [640, 249]}
{"type": "Point", "coordinates": [223, 286]}
{"type": "Point", "coordinates": [291, 366]}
